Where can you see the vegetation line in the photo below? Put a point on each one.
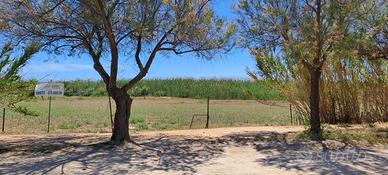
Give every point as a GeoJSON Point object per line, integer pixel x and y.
{"type": "Point", "coordinates": [183, 88]}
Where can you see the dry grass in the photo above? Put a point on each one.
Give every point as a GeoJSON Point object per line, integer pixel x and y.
{"type": "Point", "coordinates": [360, 135]}
{"type": "Point", "coordinates": [351, 91]}
{"type": "Point", "coordinates": [91, 114]}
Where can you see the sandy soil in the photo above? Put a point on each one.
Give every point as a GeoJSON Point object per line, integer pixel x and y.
{"type": "Point", "coordinates": [244, 150]}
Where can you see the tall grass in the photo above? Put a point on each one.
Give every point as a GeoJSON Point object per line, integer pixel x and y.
{"type": "Point", "coordinates": [184, 88]}
{"type": "Point", "coordinates": [352, 91]}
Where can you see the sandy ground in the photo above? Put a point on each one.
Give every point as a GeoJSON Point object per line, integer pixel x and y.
{"type": "Point", "coordinates": [244, 150]}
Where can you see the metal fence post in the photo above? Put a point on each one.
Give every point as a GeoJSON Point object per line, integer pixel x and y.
{"type": "Point", "coordinates": [49, 116]}
{"type": "Point", "coordinates": [207, 113]}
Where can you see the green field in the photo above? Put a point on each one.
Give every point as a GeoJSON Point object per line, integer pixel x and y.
{"type": "Point", "coordinates": [91, 114]}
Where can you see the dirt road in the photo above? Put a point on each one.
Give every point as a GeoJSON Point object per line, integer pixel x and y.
{"type": "Point", "coordinates": [245, 150]}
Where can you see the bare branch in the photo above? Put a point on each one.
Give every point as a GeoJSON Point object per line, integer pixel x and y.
{"type": "Point", "coordinates": [144, 71]}
{"type": "Point", "coordinates": [112, 44]}
{"type": "Point", "coordinates": [124, 36]}
{"type": "Point", "coordinates": [186, 51]}
{"type": "Point", "coordinates": [53, 8]}
{"type": "Point", "coordinates": [311, 6]}
{"type": "Point", "coordinates": [97, 65]}
{"type": "Point", "coordinates": [137, 54]}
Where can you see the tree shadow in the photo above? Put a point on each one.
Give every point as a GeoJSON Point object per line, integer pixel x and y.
{"type": "Point", "coordinates": [89, 154]}
{"type": "Point", "coordinates": [62, 155]}
{"type": "Point", "coordinates": [312, 156]}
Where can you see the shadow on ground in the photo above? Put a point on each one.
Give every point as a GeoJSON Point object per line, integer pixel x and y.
{"type": "Point", "coordinates": [182, 154]}
{"type": "Point", "coordinates": [314, 157]}
{"type": "Point", "coordinates": [48, 154]}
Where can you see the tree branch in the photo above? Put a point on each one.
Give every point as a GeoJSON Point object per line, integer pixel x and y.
{"type": "Point", "coordinates": [185, 51]}
{"type": "Point", "coordinates": [137, 54]}
{"type": "Point", "coordinates": [124, 36]}
{"type": "Point", "coordinates": [144, 71]}
{"type": "Point", "coordinates": [112, 44]}
{"type": "Point", "coordinates": [53, 8]}
{"type": "Point", "coordinates": [97, 65]}
{"type": "Point", "coordinates": [311, 6]}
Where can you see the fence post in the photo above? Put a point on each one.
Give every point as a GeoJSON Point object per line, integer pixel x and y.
{"type": "Point", "coordinates": [2, 128]}
{"type": "Point", "coordinates": [291, 113]}
{"type": "Point", "coordinates": [207, 113]}
{"type": "Point", "coordinates": [49, 116]}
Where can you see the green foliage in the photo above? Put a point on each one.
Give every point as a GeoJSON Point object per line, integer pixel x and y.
{"type": "Point", "coordinates": [12, 88]}
{"type": "Point", "coordinates": [68, 125]}
{"type": "Point", "coordinates": [345, 42]}
{"type": "Point", "coordinates": [26, 111]}
{"type": "Point", "coordinates": [139, 123]}
{"type": "Point", "coordinates": [140, 91]}
{"type": "Point", "coordinates": [85, 88]}
{"type": "Point", "coordinates": [139, 29]}
{"type": "Point", "coordinates": [184, 88]}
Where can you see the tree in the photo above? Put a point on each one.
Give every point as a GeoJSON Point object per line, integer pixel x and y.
{"type": "Point", "coordinates": [12, 88]}
{"type": "Point", "coordinates": [120, 29]}
{"type": "Point", "coordinates": [291, 38]}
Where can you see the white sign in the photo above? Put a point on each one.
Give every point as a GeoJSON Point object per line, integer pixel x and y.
{"type": "Point", "coordinates": [50, 89]}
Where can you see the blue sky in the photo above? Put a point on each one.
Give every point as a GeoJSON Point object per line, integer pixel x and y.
{"type": "Point", "coordinates": [45, 67]}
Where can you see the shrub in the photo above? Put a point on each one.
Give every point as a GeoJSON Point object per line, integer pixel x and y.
{"type": "Point", "coordinates": [139, 123]}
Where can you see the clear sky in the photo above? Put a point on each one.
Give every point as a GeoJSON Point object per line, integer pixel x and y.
{"type": "Point", "coordinates": [45, 67]}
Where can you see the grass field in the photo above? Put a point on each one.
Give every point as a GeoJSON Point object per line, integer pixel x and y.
{"type": "Point", "coordinates": [91, 114]}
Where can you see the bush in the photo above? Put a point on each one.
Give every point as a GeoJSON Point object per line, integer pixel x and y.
{"type": "Point", "coordinates": [69, 125]}
{"type": "Point", "coordinates": [26, 111]}
{"type": "Point", "coordinates": [139, 123]}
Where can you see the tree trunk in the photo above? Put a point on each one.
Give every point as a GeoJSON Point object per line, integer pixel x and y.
{"type": "Point", "coordinates": [315, 76]}
{"type": "Point", "coordinates": [123, 102]}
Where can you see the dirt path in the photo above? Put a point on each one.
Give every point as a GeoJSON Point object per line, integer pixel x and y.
{"type": "Point", "coordinates": [245, 150]}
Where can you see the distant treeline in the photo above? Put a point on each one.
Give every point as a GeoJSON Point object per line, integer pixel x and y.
{"type": "Point", "coordinates": [184, 88]}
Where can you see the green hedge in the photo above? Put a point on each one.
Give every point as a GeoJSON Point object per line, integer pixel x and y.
{"type": "Point", "coordinates": [184, 88]}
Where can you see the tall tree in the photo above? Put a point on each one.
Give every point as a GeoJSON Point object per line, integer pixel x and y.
{"type": "Point", "coordinates": [120, 29]}
{"type": "Point", "coordinates": [285, 34]}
